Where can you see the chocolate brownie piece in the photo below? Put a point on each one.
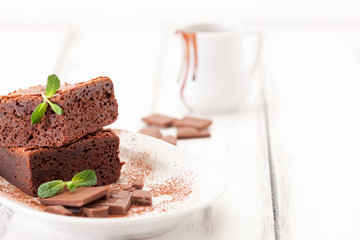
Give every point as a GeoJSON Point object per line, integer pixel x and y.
{"type": "Point", "coordinates": [29, 167]}
{"type": "Point", "coordinates": [87, 106]}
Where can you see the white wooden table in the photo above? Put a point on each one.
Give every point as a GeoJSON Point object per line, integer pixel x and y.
{"type": "Point", "coordinates": [290, 154]}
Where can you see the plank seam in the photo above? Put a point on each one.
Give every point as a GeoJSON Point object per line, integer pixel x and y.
{"type": "Point", "coordinates": [272, 172]}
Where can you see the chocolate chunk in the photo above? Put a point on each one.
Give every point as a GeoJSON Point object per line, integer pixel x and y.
{"type": "Point", "coordinates": [159, 120]}
{"type": "Point", "coordinates": [138, 184]}
{"type": "Point", "coordinates": [170, 139]}
{"type": "Point", "coordinates": [78, 198]}
{"type": "Point", "coordinates": [95, 211]}
{"type": "Point", "coordinates": [141, 197]}
{"type": "Point", "coordinates": [193, 122]}
{"type": "Point", "coordinates": [151, 131]}
{"type": "Point", "coordinates": [27, 168]}
{"type": "Point", "coordinates": [58, 210]}
{"type": "Point", "coordinates": [128, 188]}
{"type": "Point", "coordinates": [120, 193]}
{"type": "Point", "coordinates": [118, 204]}
{"type": "Point", "coordinates": [188, 132]}
{"type": "Point", "coordinates": [87, 106]}
{"type": "Point", "coordinates": [108, 194]}
{"type": "Point", "coordinates": [77, 211]}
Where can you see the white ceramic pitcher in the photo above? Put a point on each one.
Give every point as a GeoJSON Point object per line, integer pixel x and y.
{"type": "Point", "coordinates": [213, 76]}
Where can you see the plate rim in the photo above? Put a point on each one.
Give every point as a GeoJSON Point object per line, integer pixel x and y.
{"type": "Point", "coordinates": [24, 210]}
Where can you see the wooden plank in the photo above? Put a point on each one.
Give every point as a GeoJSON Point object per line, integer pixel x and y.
{"type": "Point", "coordinates": [238, 148]}
{"type": "Point", "coordinates": [312, 91]}
{"type": "Point", "coordinates": [5, 218]}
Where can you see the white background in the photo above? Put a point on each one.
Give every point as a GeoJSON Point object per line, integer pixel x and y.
{"type": "Point", "coordinates": [110, 11]}
{"type": "Point", "coordinates": [291, 151]}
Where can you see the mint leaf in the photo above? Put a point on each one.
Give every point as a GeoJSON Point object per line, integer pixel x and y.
{"type": "Point", "coordinates": [38, 113]}
{"type": "Point", "coordinates": [53, 84]}
{"type": "Point", "coordinates": [50, 189]}
{"type": "Point", "coordinates": [85, 178]}
{"type": "Point", "coordinates": [71, 186]}
{"type": "Point", "coordinates": [56, 108]}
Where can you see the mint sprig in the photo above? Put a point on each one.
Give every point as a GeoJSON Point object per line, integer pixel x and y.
{"type": "Point", "coordinates": [85, 178]}
{"type": "Point", "coordinates": [50, 189]}
{"type": "Point", "coordinates": [38, 113]}
{"type": "Point", "coordinates": [53, 84]}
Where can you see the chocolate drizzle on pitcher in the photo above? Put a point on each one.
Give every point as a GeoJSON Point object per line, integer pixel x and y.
{"type": "Point", "coordinates": [190, 47]}
{"type": "Point", "coordinates": [195, 54]}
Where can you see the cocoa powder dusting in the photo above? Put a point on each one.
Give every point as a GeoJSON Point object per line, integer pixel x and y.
{"type": "Point", "coordinates": [167, 192]}
{"type": "Point", "coordinates": [175, 187]}
{"type": "Point", "coordinates": [10, 191]}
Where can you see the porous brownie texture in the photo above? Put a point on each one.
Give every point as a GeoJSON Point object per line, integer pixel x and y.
{"type": "Point", "coordinates": [87, 106]}
{"type": "Point", "coordinates": [29, 167]}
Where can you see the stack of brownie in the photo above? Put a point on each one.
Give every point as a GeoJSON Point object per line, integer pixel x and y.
{"type": "Point", "coordinates": [60, 145]}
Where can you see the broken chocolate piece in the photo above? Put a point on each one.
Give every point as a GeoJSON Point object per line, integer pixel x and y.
{"type": "Point", "coordinates": [138, 184]}
{"type": "Point", "coordinates": [78, 198]}
{"type": "Point", "coordinates": [77, 211]}
{"type": "Point", "coordinates": [159, 120]}
{"type": "Point", "coordinates": [151, 131]}
{"type": "Point", "coordinates": [108, 194]}
{"type": "Point", "coordinates": [188, 132]}
{"type": "Point", "coordinates": [95, 211]}
{"type": "Point", "coordinates": [193, 122]}
{"type": "Point", "coordinates": [58, 210]}
{"type": "Point", "coordinates": [169, 139]}
{"type": "Point", "coordinates": [120, 193]}
{"type": "Point", "coordinates": [128, 188]}
{"type": "Point", "coordinates": [118, 204]}
{"type": "Point", "coordinates": [141, 197]}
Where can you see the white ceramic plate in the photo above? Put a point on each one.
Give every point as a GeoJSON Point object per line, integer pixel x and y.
{"type": "Point", "coordinates": [164, 168]}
